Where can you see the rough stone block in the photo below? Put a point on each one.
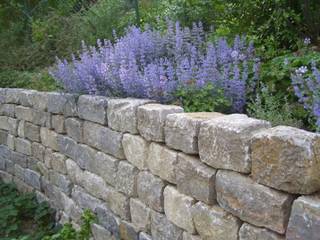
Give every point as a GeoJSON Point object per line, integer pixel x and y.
{"type": "Point", "coordinates": [38, 151]}
{"type": "Point", "coordinates": [7, 110]}
{"type": "Point", "coordinates": [162, 162]}
{"type": "Point", "coordinates": [178, 208]}
{"type": "Point", "coordinates": [152, 118]}
{"type": "Point", "coordinates": [126, 179]}
{"type": "Point", "coordinates": [103, 138]}
{"type": "Point", "coordinates": [252, 202]}
{"type": "Point", "coordinates": [34, 116]}
{"type": "Point", "coordinates": [57, 123]}
{"type": "Point", "coordinates": [58, 163]}
{"type": "Point", "coordinates": [22, 186]}
{"type": "Point", "coordinates": [74, 171]}
{"type": "Point", "coordinates": [150, 190]}
{"type": "Point", "coordinates": [6, 177]}
{"type": "Point", "coordinates": [9, 124]}
{"type": "Point", "coordinates": [195, 178]}
{"type": "Point", "coordinates": [61, 181]}
{"type": "Point", "coordinates": [122, 114]}
{"type": "Point", "coordinates": [249, 232]}
{"type": "Point", "coordinates": [20, 129]}
{"type": "Point", "coordinates": [100, 233]}
{"type": "Point", "coordinates": [182, 130]}
{"type": "Point", "coordinates": [109, 221]}
{"type": "Point", "coordinates": [25, 97]}
{"type": "Point", "coordinates": [11, 142]}
{"type": "Point", "coordinates": [43, 170]}
{"type": "Point", "coordinates": [19, 172]}
{"type": "Point", "coordinates": [3, 137]}
{"type": "Point", "coordinates": [3, 95]}
{"type": "Point", "coordinates": [23, 146]}
{"type": "Point", "coordinates": [84, 200]}
{"type": "Point", "coordinates": [84, 155]}
{"type": "Point", "coordinates": [144, 236]}
{"type": "Point", "coordinates": [19, 158]}
{"type": "Point", "coordinates": [127, 231]}
{"type": "Point", "coordinates": [62, 103]}
{"type": "Point", "coordinates": [32, 179]}
{"type": "Point", "coordinates": [31, 132]}
{"type": "Point", "coordinates": [119, 204]}
{"type": "Point", "coordinates": [49, 138]}
{"type": "Point", "coordinates": [163, 229]}
{"type": "Point", "coordinates": [32, 164]}
{"type": "Point", "coordinates": [93, 108]}
{"type": "Point", "coordinates": [140, 215]}
{"type": "Point", "coordinates": [293, 166]}
{"type": "Point", "coordinates": [224, 141]}
{"type": "Point", "coordinates": [67, 146]}
{"type": "Point", "coordinates": [136, 150]}
{"type": "Point", "coordinates": [212, 222]}
{"type": "Point", "coordinates": [12, 95]}
{"type": "Point", "coordinates": [305, 219]}
{"type": "Point", "coordinates": [188, 236]}
{"type": "Point", "coordinates": [40, 101]}
{"type": "Point", "coordinates": [74, 129]}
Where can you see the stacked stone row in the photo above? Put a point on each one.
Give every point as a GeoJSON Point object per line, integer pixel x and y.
{"type": "Point", "coordinates": [151, 171]}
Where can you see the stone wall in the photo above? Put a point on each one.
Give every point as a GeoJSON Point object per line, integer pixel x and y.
{"type": "Point", "coordinates": [150, 171]}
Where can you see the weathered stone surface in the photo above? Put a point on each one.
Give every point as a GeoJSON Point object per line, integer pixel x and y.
{"type": "Point", "coordinates": [162, 162]}
{"type": "Point", "coordinates": [3, 137]}
{"type": "Point", "coordinates": [6, 177]}
{"type": "Point", "coordinates": [7, 110]}
{"type": "Point", "coordinates": [127, 231]}
{"type": "Point", "coordinates": [212, 222]}
{"type": "Point", "coordinates": [9, 124]}
{"type": "Point", "coordinates": [4, 155]}
{"type": "Point", "coordinates": [144, 236]}
{"type": "Point", "coordinates": [84, 155]}
{"type": "Point", "coordinates": [40, 101]}
{"type": "Point", "coordinates": [103, 138]}
{"type": "Point", "coordinates": [126, 178]}
{"type": "Point", "coordinates": [108, 221]}
{"type": "Point", "coordinates": [32, 164]}
{"type": "Point", "coordinates": [3, 95]}
{"type": "Point", "coordinates": [67, 146]}
{"type": "Point", "coordinates": [38, 151]}
{"type": "Point", "coordinates": [23, 146]}
{"type": "Point", "coordinates": [84, 200]}
{"type": "Point", "coordinates": [224, 141]}
{"type": "Point", "coordinates": [305, 219]}
{"type": "Point", "coordinates": [140, 215]}
{"type": "Point", "coordinates": [136, 150]}
{"type": "Point", "coordinates": [25, 97]}
{"type": "Point", "coordinates": [62, 103]}
{"type": "Point", "coordinates": [12, 95]}
{"type": "Point", "coordinates": [150, 190]}
{"type": "Point", "coordinates": [49, 138]}
{"type": "Point", "coordinates": [48, 157]}
{"type": "Point", "coordinates": [58, 163]}
{"type": "Point", "coordinates": [34, 116]}
{"type": "Point", "coordinates": [100, 233]}
{"type": "Point", "coordinates": [19, 172]}
{"type": "Point", "coordinates": [249, 232]}
{"type": "Point", "coordinates": [74, 129]}
{"type": "Point", "coordinates": [11, 142]}
{"type": "Point", "coordinates": [19, 158]}
{"type": "Point", "coordinates": [61, 181]}
{"type": "Point", "coordinates": [31, 132]}
{"type": "Point", "coordinates": [104, 166]}
{"type": "Point", "coordinates": [195, 178]}
{"type": "Point", "coordinates": [93, 108]}
{"type": "Point", "coordinates": [252, 202]}
{"type": "Point", "coordinates": [163, 229]}
{"type": "Point", "coordinates": [32, 179]}
{"type": "Point", "coordinates": [74, 171]}
{"type": "Point", "coordinates": [122, 114]}
{"type": "Point", "coordinates": [178, 208]}
{"type": "Point", "coordinates": [119, 204]}
{"type": "Point", "coordinates": [188, 236]}
{"type": "Point", "coordinates": [182, 130]}
{"type": "Point", "coordinates": [287, 159]}
{"type": "Point", "coordinates": [57, 122]}
{"type": "Point", "coordinates": [152, 118]}
{"type": "Point", "coordinates": [20, 130]}
{"type": "Point", "coordinates": [22, 186]}
{"type": "Point", "coordinates": [43, 170]}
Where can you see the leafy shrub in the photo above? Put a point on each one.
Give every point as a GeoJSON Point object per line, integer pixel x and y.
{"type": "Point", "coordinates": [306, 86]}
{"type": "Point", "coordinates": [273, 107]}
{"type": "Point", "coordinates": [152, 64]}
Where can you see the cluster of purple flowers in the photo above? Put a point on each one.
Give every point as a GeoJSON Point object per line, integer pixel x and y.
{"type": "Point", "coordinates": [153, 64]}
{"type": "Point", "coordinates": [307, 88]}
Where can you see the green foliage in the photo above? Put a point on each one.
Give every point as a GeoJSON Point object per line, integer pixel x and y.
{"type": "Point", "coordinates": [206, 99]}
{"type": "Point", "coordinates": [274, 108]}
{"type": "Point", "coordinates": [21, 215]}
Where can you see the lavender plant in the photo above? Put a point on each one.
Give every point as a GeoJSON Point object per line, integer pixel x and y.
{"type": "Point", "coordinates": [306, 85]}
{"type": "Point", "coordinates": [146, 63]}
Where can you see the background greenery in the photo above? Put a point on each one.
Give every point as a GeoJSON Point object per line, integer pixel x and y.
{"type": "Point", "coordinates": [34, 32]}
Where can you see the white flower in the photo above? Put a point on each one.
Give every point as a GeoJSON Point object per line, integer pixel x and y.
{"type": "Point", "coordinates": [234, 54]}
{"type": "Point", "coordinates": [306, 41]}
{"type": "Point", "coordinates": [302, 70]}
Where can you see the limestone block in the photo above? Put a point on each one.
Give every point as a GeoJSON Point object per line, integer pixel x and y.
{"type": "Point", "coordinates": [152, 118]}
{"type": "Point", "coordinates": [287, 159]}
{"type": "Point", "coordinates": [19, 158]}
{"type": "Point", "coordinates": [126, 179]}
{"type": "Point", "coordinates": [74, 171]}
{"type": "Point", "coordinates": [93, 108]}
{"type": "Point", "coordinates": [6, 177]}
{"type": "Point", "coordinates": [62, 103]}
{"type": "Point", "coordinates": [84, 200]}
{"type": "Point", "coordinates": [100, 233]}
{"type": "Point", "coordinates": [188, 236]}
{"type": "Point", "coordinates": [58, 163]}
{"type": "Point", "coordinates": [40, 101]}
{"type": "Point", "coordinates": [195, 178]}
{"type": "Point", "coordinates": [57, 122]}
{"type": "Point", "coordinates": [162, 162]}
{"type": "Point", "coordinates": [103, 138]}
{"type": "Point", "coordinates": [9, 124]}
{"type": "Point", "coordinates": [74, 129]}
{"type": "Point", "coordinates": [252, 202]}
{"type": "Point", "coordinates": [3, 95]}
{"type": "Point", "coordinates": [212, 222]}
{"type": "Point", "coordinates": [12, 95]}
{"type": "Point", "coordinates": [36, 117]}
{"type": "Point", "coordinates": [19, 172]}
{"type": "Point", "coordinates": [49, 138]}
{"type": "Point", "coordinates": [23, 146]}
{"type": "Point", "coordinates": [178, 208]}
{"type": "Point", "coordinates": [182, 130]}
{"type": "Point", "coordinates": [127, 231]}
{"type": "Point", "coordinates": [122, 114]}
{"type": "Point", "coordinates": [25, 97]}
{"type": "Point", "coordinates": [7, 110]}
{"type": "Point", "coordinates": [67, 146]}
{"type": "Point", "coordinates": [150, 190]}
{"type": "Point", "coordinates": [84, 155]}
{"type": "Point", "coordinates": [224, 141]}
{"type": "Point", "coordinates": [38, 151]}
{"type": "Point", "coordinates": [32, 179]}
{"type": "Point", "coordinates": [305, 219]}
{"type": "Point", "coordinates": [31, 132]}
{"type": "Point", "coordinates": [250, 232]}
{"type": "Point", "coordinates": [109, 221]}
{"type": "Point", "coordinates": [119, 204]}
{"type": "Point", "coordinates": [3, 137]}
{"type": "Point", "coordinates": [163, 229]}
{"type": "Point", "coordinates": [11, 142]}
{"type": "Point", "coordinates": [140, 215]}
{"type": "Point", "coordinates": [61, 181]}
{"type": "Point", "coordinates": [136, 150]}
{"type": "Point", "coordinates": [144, 236]}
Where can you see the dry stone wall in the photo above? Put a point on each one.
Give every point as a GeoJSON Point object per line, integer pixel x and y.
{"type": "Point", "coordinates": [151, 171]}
